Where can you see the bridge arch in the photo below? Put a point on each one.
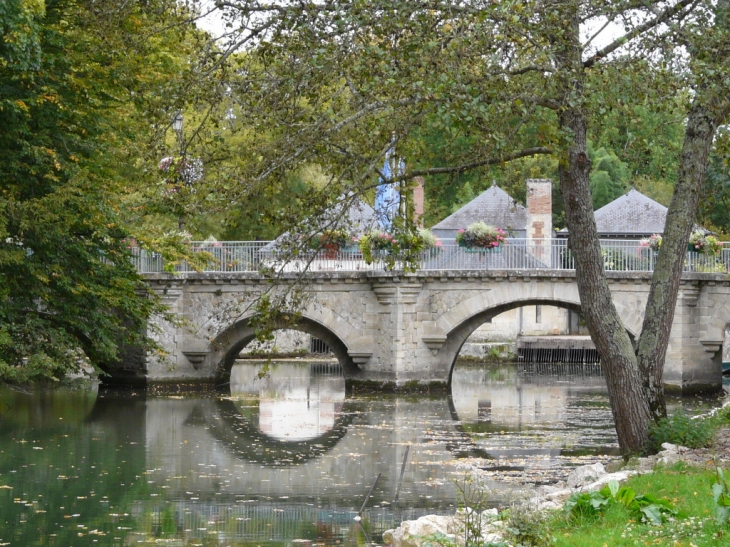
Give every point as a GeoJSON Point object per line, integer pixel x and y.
{"type": "Point", "coordinates": [318, 322]}
{"type": "Point", "coordinates": [462, 320]}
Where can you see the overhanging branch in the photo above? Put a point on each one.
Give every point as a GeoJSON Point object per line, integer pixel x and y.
{"type": "Point", "coordinates": [527, 152]}
{"type": "Point", "coordinates": [626, 38]}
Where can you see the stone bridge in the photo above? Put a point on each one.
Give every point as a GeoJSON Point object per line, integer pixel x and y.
{"type": "Point", "coordinates": [398, 329]}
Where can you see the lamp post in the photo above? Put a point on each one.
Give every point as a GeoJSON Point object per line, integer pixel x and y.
{"type": "Point", "coordinates": [177, 125]}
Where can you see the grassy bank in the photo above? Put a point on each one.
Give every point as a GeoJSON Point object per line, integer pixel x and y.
{"type": "Point", "coordinates": [683, 504]}
{"type": "Point", "coordinates": [688, 491]}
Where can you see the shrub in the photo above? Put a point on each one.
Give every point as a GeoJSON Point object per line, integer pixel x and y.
{"type": "Point", "coordinates": [527, 527]}
{"type": "Point", "coordinates": [682, 430]}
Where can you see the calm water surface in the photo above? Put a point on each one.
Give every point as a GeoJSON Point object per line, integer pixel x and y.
{"type": "Point", "coordinates": [289, 457]}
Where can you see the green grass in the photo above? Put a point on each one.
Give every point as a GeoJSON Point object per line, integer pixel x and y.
{"type": "Point", "coordinates": [688, 489]}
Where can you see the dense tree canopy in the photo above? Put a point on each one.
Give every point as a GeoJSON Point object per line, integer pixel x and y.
{"type": "Point", "coordinates": [80, 83]}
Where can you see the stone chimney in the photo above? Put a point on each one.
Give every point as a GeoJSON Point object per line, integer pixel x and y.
{"type": "Point", "coordinates": [418, 200]}
{"type": "Point", "coordinates": [539, 229]}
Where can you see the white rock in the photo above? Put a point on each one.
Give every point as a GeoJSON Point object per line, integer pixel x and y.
{"type": "Point", "coordinates": [603, 481]}
{"type": "Point", "coordinates": [411, 533]}
{"type": "Point", "coordinates": [585, 474]}
{"type": "Point", "coordinates": [415, 533]}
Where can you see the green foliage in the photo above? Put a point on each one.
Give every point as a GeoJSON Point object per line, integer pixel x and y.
{"type": "Point", "coordinates": [715, 203]}
{"type": "Point", "coordinates": [583, 506]}
{"type": "Point", "coordinates": [689, 490]}
{"type": "Point", "coordinates": [618, 259]}
{"type": "Point", "coordinates": [473, 498]}
{"type": "Point", "coordinates": [704, 243]}
{"type": "Point", "coordinates": [608, 177]}
{"type": "Point", "coordinates": [430, 241]}
{"type": "Point", "coordinates": [404, 246]}
{"type": "Point", "coordinates": [721, 497]}
{"type": "Point", "coordinates": [75, 107]}
{"type": "Point", "coordinates": [331, 240]}
{"type": "Point", "coordinates": [528, 527]}
{"type": "Point", "coordinates": [682, 430]}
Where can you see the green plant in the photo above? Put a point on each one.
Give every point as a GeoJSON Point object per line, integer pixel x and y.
{"type": "Point", "coordinates": [473, 499]}
{"type": "Point", "coordinates": [331, 240]}
{"type": "Point", "coordinates": [527, 527]}
{"type": "Point", "coordinates": [429, 240]}
{"type": "Point", "coordinates": [405, 245]}
{"type": "Point", "coordinates": [682, 430]}
{"type": "Point", "coordinates": [721, 497]}
{"type": "Point", "coordinates": [644, 507]}
{"type": "Point", "coordinates": [653, 242]}
{"type": "Point", "coordinates": [480, 235]}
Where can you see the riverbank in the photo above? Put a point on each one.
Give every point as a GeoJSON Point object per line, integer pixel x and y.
{"type": "Point", "coordinates": [670, 498]}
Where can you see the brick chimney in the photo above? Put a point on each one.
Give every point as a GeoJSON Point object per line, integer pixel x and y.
{"type": "Point", "coordinates": [539, 229]}
{"type": "Point", "coordinates": [418, 200]}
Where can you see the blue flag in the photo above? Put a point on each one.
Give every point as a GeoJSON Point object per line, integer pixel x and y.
{"type": "Point", "coordinates": [387, 196]}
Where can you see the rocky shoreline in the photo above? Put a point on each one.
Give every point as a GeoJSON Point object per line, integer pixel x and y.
{"type": "Point", "coordinates": [549, 497]}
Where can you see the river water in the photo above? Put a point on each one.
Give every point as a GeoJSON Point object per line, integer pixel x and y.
{"type": "Point", "coordinates": [285, 459]}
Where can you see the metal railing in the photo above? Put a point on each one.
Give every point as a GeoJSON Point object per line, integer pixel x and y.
{"type": "Point", "coordinates": [513, 254]}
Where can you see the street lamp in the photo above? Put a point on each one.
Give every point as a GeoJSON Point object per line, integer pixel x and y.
{"type": "Point", "coordinates": [177, 125]}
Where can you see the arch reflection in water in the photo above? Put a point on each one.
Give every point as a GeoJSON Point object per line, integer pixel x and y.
{"type": "Point", "coordinates": [295, 402]}
{"type": "Point", "coordinates": [519, 411]}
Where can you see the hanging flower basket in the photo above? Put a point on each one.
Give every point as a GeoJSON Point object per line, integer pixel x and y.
{"type": "Point", "coordinates": [653, 242]}
{"type": "Point", "coordinates": [330, 242]}
{"type": "Point", "coordinates": [431, 244]}
{"type": "Point", "coordinates": [700, 242]}
{"type": "Point", "coordinates": [480, 237]}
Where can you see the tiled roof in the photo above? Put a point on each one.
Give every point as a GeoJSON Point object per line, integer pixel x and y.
{"type": "Point", "coordinates": [494, 207]}
{"type": "Point", "coordinates": [632, 213]}
{"type": "Point", "coordinates": [358, 218]}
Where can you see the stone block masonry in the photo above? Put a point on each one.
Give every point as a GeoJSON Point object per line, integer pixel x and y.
{"type": "Point", "coordinates": [394, 330]}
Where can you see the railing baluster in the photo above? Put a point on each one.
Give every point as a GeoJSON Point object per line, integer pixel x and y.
{"type": "Point", "coordinates": [514, 254]}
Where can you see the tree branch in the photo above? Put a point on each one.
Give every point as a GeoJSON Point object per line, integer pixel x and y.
{"type": "Point", "coordinates": [527, 152]}
{"type": "Point", "coordinates": [619, 42]}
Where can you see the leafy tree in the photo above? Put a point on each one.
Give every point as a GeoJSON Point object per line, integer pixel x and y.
{"type": "Point", "coordinates": [79, 84]}
{"type": "Point", "coordinates": [608, 177]}
{"type": "Point", "coordinates": [338, 84]}
{"type": "Point", "coordinates": [715, 203]}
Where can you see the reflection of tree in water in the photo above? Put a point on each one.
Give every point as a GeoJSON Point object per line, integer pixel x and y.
{"type": "Point", "coordinates": [69, 468]}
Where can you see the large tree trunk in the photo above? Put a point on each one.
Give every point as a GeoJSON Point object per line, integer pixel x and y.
{"type": "Point", "coordinates": [659, 315]}
{"type": "Point", "coordinates": [625, 389]}
{"type": "Point", "coordinates": [710, 109]}
{"type": "Point", "coordinates": [623, 379]}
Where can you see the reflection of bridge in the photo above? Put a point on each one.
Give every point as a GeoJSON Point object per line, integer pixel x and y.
{"type": "Point", "coordinates": [395, 328]}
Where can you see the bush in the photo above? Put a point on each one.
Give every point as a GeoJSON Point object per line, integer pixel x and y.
{"type": "Point", "coordinates": [682, 430]}
{"type": "Point", "coordinates": [528, 527]}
